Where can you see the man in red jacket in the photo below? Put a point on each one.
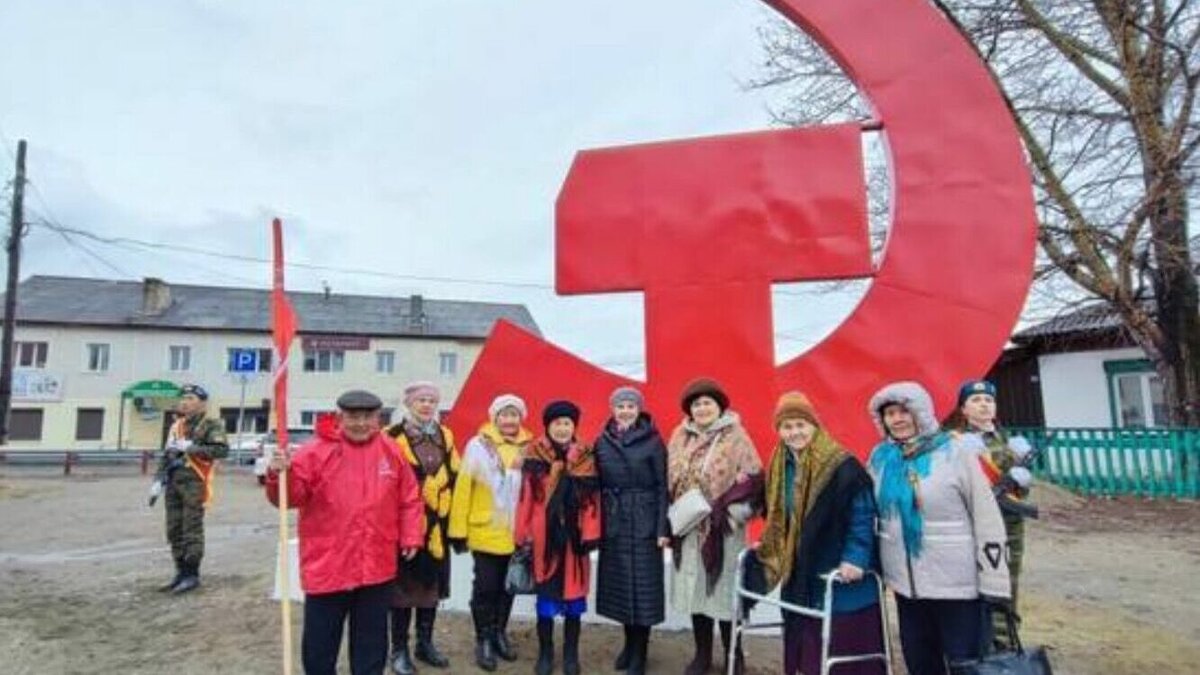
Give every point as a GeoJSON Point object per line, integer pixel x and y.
{"type": "Point", "coordinates": [360, 509]}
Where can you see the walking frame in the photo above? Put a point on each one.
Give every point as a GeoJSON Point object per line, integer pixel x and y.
{"type": "Point", "coordinates": [741, 619]}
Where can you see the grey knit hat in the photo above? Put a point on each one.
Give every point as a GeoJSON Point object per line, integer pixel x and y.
{"type": "Point", "coordinates": [627, 394]}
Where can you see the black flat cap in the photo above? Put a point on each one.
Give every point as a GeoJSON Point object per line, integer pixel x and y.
{"type": "Point", "coordinates": [357, 399]}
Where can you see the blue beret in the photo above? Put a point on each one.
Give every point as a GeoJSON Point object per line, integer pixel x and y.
{"type": "Point", "coordinates": [972, 387]}
{"type": "Point", "coordinates": [195, 390]}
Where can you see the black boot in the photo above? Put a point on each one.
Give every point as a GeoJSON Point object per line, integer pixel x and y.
{"type": "Point", "coordinates": [702, 635]}
{"type": "Point", "coordinates": [571, 646]}
{"type": "Point", "coordinates": [402, 663]}
{"type": "Point", "coordinates": [622, 662]}
{"type": "Point", "coordinates": [176, 579]}
{"type": "Point", "coordinates": [739, 659]}
{"type": "Point", "coordinates": [190, 580]}
{"type": "Point", "coordinates": [485, 652]}
{"type": "Point", "coordinates": [504, 647]}
{"type": "Point", "coordinates": [425, 650]}
{"type": "Point", "coordinates": [640, 642]}
{"type": "Point", "coordinates": [545, 661]}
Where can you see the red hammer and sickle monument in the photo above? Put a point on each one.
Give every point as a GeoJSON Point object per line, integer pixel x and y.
{"type": "Point", "coordinates": [704, 227]}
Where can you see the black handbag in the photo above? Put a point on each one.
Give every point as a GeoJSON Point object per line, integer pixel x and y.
{"type": "Point", "coordinates": [518, 580]}
{"type": "Point", "coordinates": [1015, 660]}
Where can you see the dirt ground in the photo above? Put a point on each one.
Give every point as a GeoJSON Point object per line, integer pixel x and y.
{"type": "Point", "coordinates": [1109, 587]}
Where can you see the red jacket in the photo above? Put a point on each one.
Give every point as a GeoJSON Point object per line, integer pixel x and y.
{"type": "Point", "coordinates": [359, 505]}
{"type": "Point", "coordinates": [530, 528]}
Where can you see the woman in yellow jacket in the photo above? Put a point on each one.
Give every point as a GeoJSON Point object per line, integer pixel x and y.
{"type": "Point", "coordinates": [481, 520]}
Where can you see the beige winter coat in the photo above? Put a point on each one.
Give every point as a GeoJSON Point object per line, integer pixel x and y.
{"type": "Point", "coordinates": [964, 550]}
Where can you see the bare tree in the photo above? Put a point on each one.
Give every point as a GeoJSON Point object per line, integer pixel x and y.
{"type": "Point", "coordinates": [1104, 95]}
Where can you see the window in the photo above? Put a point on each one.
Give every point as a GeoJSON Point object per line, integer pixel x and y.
{"type": "Point", "coordinates": [180, 358]}
{"type": "Point", "coordinates": [97, 357]}
{"type": "Point", "coordinates": [25, 425]}
{"type": "Point", "coordinates": [31, 354]}
{"type": "Point", "coordinates": [448, 363]}
{"type": "Point", "coordinates": [308, 418]}
{"type": "Point", "coordinates": [1135, 394]}
{"type": "Point", "coordinates": [385, 362]}
{"type": "Point", "coordinates": [254, 420]}
{"type": "Point", "coordinates": [89, 424]}
{"type": "Point", "coordinates": [324, 361]}
{"type": "Point", "coordinates": [263, 358]}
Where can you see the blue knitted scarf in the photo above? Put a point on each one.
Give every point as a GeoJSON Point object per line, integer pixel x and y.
{"type": "Point", "coordinates": [896, 495]}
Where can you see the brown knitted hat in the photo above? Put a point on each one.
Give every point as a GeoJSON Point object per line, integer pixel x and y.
{"type": "Point", "coordinates": [794, 405]}
{"type": "Point", "coordinates": [703, 386]}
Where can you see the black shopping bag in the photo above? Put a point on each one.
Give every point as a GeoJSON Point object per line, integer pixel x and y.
{"type": "Point", "coordinates": [519, 578]}
{"type": "Point", "coordinates": [1015, 660]}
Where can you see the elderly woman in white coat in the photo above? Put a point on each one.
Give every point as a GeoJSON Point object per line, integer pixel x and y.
{"type": "Point", "coordinates": [941, 537]}
{"type": "Point", "coordinates": [712, 462]}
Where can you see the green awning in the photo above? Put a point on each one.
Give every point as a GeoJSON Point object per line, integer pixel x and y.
{"type": "Point", "coordinates": [152, 389]}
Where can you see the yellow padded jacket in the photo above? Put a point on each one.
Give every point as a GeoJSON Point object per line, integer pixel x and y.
{"type": "Point", "coordinates": [477, 514]}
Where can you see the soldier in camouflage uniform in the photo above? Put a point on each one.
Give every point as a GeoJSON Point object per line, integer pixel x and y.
{"type": "Point", "coordinates": [1004, 464]}
{"type": "Point", "coordinates": [194, 443]}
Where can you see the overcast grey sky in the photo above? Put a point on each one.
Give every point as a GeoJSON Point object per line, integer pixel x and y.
{"type": "Point", "coordinates": [423, 137]}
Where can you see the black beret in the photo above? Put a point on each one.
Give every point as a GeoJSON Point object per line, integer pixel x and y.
{"type": "Point", "coordinates": [557, 409]}
{"type": "Point", "coordinates": [703, 386]}
{"type": "Point", "coordinates": [357, 399]}
{"type": "Point", "coordinates": [195, 390]}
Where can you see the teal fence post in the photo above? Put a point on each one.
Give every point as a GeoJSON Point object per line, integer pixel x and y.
{"type": "Point", "coordinates": [1111, 484]}
{"type": "Point", "coordinates": [1192, 457]}
{"type": "Point", "coordinates": [1177, 464]}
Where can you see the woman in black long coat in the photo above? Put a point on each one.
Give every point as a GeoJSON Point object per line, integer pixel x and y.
{"type": "Point", "coordinates": [632, 462]}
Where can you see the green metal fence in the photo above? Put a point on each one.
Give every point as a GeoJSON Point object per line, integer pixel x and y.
{"type": "Point", "coordinates": [1153, 463]}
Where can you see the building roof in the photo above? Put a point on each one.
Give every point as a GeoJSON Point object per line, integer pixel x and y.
{"type": "Point", "coordinates": [102, 302]}
{"type": "Point", "coordinates": [1096, 318]}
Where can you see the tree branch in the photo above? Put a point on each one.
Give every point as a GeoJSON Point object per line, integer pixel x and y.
{"type": "Point", "coordinates": [1073, 51]}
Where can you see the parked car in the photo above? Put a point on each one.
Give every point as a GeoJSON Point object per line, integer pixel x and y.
{"type": "Point", "coordinates": [244, 451]}
{"type": "Point", "coordinates": [266, 449]}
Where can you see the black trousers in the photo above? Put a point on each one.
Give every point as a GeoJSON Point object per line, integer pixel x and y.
{"type": "Point", "coordinates": [324, 618]}
{"type": "Point", "coordinates": [936, 632]}
{"type": "Point", "coordinates": [487, 589]}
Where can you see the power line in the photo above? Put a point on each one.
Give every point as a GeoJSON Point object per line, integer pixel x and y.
{"type": "Point", "coordinates": [216, 274]}
{"type": "Point", "coordinates": [96, 256]}
{"type": "Point", "coordinates": [8, 146]}
{"type": "Point", "coordinates": [55, 224]}
{"type": "Point", "coordinates": [52, 224]}
{"type": "Point", "coordinates": [128, 243]}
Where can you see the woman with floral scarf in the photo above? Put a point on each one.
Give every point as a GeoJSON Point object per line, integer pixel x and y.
{"type": "Point", "coordinates": [559, 517]}
{"type": "Point", "coordinates": [424, 581]}
{"type": "Point", "coordinates": [820, 517]}
{"type": "Point", "coordinates": [710, 452]}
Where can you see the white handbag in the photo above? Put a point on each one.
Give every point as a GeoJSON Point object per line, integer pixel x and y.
{"type": "Point", "coordinates": [686, 512]}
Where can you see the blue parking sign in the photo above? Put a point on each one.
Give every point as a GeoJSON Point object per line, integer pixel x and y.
{"type": "Point", "coordinates": [243, 360]}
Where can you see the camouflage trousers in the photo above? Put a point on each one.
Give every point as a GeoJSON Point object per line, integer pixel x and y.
{"type": "Point", "coordinates": [1015, 528]}
{"type": "Point", "coordinates": [1016, 553]}
{"type": "Point", "coordinates": [185, 516]}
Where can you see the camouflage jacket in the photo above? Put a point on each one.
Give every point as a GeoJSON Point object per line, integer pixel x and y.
{"type": "Point", "coordinates": [207, 435]}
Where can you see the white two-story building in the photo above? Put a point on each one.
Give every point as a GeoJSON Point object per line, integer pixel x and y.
{"type": "Point", "coordinates": [98, 363]}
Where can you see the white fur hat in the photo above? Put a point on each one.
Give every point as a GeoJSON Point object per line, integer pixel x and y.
{"type": "Point", "coordinates": [913, 397]}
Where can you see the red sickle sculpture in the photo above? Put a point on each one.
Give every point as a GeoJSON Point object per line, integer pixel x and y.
{"type": "Point", "coordinates": [718, 219]}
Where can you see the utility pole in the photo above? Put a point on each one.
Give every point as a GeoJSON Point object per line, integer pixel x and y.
{"type": "Point", "coordinates": [16, 231]}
